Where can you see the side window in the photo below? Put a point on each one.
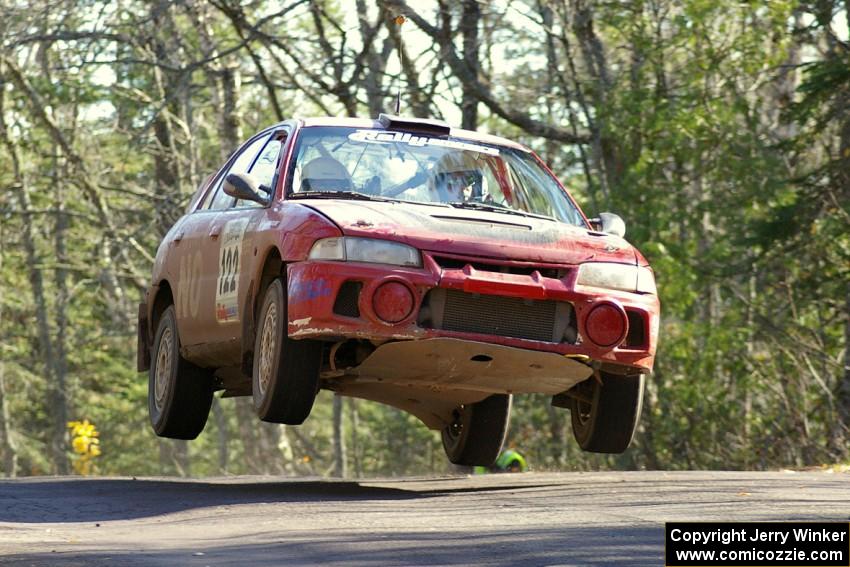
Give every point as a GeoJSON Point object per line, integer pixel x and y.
{"type": "Point", "coordinates": [266, 165]}
{"type": "Point", "coordinates": [264, 168]}
{"type": "Point", "coordinates": [222, 200]}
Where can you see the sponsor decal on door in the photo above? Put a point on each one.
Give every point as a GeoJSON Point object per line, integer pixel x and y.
{"type": "Point", "coordinates": [229, 267]}
{"type": "Point", "coordinates": [189, 286]}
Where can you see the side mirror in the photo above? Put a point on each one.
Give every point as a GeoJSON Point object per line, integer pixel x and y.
{"type": "Point", "coordinates": [245, 187]}
{"type": "Point", "coordinates": [609, 223]}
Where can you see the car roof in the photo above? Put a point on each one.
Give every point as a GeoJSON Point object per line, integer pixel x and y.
{"type": "Point", "coordinates": [373, 123]}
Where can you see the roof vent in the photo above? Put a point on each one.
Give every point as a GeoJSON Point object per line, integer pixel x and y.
{"type": "Point", "coordinates": [420, 125]}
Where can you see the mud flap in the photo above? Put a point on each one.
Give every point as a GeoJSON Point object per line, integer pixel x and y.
{"type": "Point", "coordinates": [143, 348]}
{"type": "Point", "coordinates": [248, 331]}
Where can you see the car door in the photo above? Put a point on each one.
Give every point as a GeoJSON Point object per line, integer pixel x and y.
{"type": "Point", "coordinates": [234, 229]}
{"type": "Point", "coordinates": [199, 256]}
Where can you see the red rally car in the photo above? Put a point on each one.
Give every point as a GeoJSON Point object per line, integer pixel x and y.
{"type": "Point", "coordinates": [398, 260]}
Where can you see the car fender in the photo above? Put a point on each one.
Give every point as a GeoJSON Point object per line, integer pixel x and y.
{"type": "Point", "coordinates": [286, 235]}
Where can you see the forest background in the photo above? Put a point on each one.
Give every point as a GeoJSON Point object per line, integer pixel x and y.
{"type": "Point", "coordinates": [719, 129]}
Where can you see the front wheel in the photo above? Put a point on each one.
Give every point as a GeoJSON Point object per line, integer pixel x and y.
{"type": "Point", "coordinates": [605, 416]}
{"type": "Point", "coordinates": [179, 393]}
{"type": "Point", "coordinates": [285, 378]}
{"type": "Point", "coordinates": [476, 435]}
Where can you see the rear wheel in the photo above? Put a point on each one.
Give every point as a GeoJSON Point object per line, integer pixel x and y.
{"type": "Point", "coordinates": [476, 435]}
{"type": "Point", "coordinates": [605, 416]}
{"type": "Point", "coordinates": [179, 393]}
{"type": "Point", "coordinates": [285, 378]}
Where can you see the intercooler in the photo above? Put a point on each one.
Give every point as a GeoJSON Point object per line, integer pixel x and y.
{"type": "Point", "coordinates": [538, 320]}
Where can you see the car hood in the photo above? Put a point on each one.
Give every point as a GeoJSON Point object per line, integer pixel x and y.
{"type": "Point", "coordinates": [437, 228]}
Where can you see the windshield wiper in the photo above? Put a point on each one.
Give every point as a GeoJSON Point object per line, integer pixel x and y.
{"type": "Point", "coordinates": [475, 205]}
{"type": "Point", "coordinates": [337, 195]}
{"type": "Point", "coordinates": [353, 195]}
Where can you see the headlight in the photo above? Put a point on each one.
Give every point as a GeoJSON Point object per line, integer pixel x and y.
{"type": "Point", "coordinates": [617, 276]}
{"type": "Point", "coordinates": [372, 250]}
{"type": "Point", "coordinates": [646, 281]}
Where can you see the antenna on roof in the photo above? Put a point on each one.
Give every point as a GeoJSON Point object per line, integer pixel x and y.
{"type": "Point", "coordinates": [399, 20]}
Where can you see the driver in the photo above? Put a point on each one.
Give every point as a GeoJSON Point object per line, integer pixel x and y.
{"type": "Point", "coordinates": [456, 177]}
{"type": "Point", "coordinates": [325, 174]}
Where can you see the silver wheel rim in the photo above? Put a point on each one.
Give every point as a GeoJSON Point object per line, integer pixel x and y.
{"type": "Point", "coordinates": [584, 405]}
{"type": "Point", "coordinates": [454, 432]}
{"type": "Point", "coordinates": [584, 412]}
{"type": "Point", "coordinates": [268, 344]}
{"type": "Point", "coordinates": [163, 368]}
{"type": "Point", "coordinates": [584, 409]}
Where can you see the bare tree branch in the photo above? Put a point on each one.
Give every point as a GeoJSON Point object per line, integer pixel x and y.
{"type": "Point", "coordinates": [462, 71]}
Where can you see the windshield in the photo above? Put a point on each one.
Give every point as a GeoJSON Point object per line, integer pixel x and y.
{"type": "Point", "coordinates": [375, 164]}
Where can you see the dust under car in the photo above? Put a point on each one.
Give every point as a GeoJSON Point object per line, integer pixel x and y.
{"type": "Point", "coordinates": [433, 269]}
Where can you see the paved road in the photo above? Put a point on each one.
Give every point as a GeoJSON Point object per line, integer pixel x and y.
{"type": "Point", "coordinates": [524, 519]}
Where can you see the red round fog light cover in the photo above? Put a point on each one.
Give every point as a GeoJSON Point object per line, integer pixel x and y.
{"type": "Point", "coordinates": [392, 302]}
{"type": "Point", "coordinates": [606, 325]}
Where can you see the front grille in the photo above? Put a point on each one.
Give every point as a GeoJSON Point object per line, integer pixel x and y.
{"type": "Point", "coordinates": [458, 264]}
{"type": "Point", "coordinates": [348, 298]}
{"type": "Point", "coordinates": [538, 320]}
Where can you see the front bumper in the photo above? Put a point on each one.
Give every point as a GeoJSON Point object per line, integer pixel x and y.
{"type": "Point", "coordinates": [315, 289]}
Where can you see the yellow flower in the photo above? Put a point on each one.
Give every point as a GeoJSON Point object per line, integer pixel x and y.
{"type": "Point", "coordinates": [80, 444]}
{"type": "Point", "coordinates": [85, 444]}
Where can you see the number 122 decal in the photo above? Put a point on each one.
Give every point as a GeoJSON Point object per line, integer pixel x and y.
{"type": "Point", "coordinates": [229, 267]}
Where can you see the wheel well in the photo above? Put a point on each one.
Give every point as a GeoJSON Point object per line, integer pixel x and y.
{"type": "Point", "coordinates": [272, 267]}
{"type": "Point", "coordinates": [164, 298]}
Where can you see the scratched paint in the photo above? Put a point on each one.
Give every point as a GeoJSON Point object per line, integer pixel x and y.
{"type": "Point", "coordinates": [309, 290]}
{"type": "Point", "coordinates": [189, 285]}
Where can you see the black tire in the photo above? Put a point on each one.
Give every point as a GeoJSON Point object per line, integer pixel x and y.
{"type": "Point", "coordinates": [476, 436]}
{"type": "Point", "coordinates": [606, 417]}
{"type": "Point", "coordinates": [179, 393]}
{"type": "Point", "coordinates": [285, 377]}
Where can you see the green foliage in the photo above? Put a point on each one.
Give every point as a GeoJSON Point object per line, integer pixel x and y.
{"type": "Point", "coordinates": [719, 131]}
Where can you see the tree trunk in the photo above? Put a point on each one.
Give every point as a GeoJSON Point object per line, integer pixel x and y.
{"type": "Point", "coordinates": [174, 458]}
{"type": "Point", "coordinates": [8, 455]}
{"type": "Point", "coordinates": [373, 72]}
{"type": "Point", "coordinates": [570, 98]}
{"type": "Point", "coordinates": [231, 132]}
{"type": "Point", "coordinates": [354, 425]}
{"type": "Point", "coordinates": [7, 446]}
{"type": "Point", "coordinates": [842, 190]}
{"type": "Point", "coordinates": [339, 440]}
{"type": "Point", "coordinates": [55, 403]}
{"type": "Point", "coordinates": [844, 390]}
{"type": "Point", "coordinates": [288, 465]}
{"type": "Point", "coordinates": [604, 147]}
{"type": "Point", "coordinates": [268, 435]}
{"type": "Point", "coordinates": [60, 393]}
{"type": "Point", "coordinates": [245, 419]}
{"type": "Point", "coordinates": [181, 457]}
{"type": "Point", "coordinates": [559, 431]}
{"type": "Point", "coordinates": [198, 13]}
{"type": "Point", "coordinates": [167, 170]}
{"type": "Point", "coordinates": [469, 21]}
{"type": "Point", "coordinates": [221, 427]}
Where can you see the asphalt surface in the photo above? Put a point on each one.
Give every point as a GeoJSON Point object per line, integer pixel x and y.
{"type": "Point", "coordinates": [520, 519]}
